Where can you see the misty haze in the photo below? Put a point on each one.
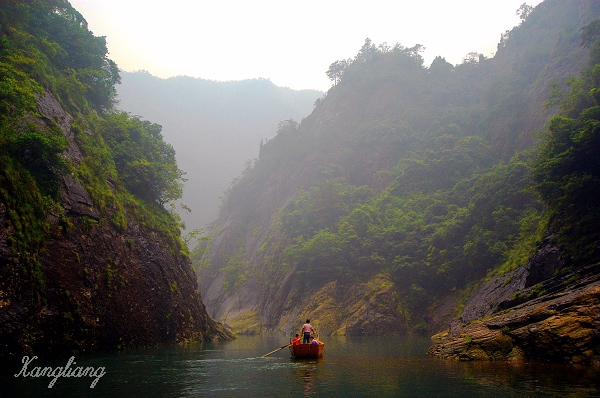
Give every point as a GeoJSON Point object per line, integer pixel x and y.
{"type": "Point", "coordinates": [387, 199]}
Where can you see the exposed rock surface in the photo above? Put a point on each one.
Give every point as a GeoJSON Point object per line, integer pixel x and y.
{"type": "Point", "coordinates": [529, 314]}
{"type": "Point", "coordinates": [498, 292]}
{"type": "Point", "coordinates": [337, 308]}
{"type": "Point", "coordinates": [358, 133]}
{"type": "Point", "coordinates": [102, 288]}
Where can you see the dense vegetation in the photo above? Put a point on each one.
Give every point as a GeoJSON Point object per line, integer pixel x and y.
{"type": "Point", "coordinates": [423, 175]}
{"type": "Point", "coordinates": [567, 171]}
{"type": "Point", "coordinates": [46, 47]}
{"type": "Point", "coordinates": [214, 126]}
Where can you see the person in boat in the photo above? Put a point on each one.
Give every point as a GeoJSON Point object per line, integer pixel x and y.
{"type": "Point", "coordinates": [307, 330]}
{"type": "Point", "coordinates": [313, 340]}
{"type": "Point", "coordinates": [296, 340]}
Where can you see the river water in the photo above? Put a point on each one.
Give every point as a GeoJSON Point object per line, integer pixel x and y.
{"type": "Point", "coordinates": [350, 367]}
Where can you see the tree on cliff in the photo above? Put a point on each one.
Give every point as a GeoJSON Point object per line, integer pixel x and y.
{"type": "Point", "coordinates": [524, 10]}
{"type": "Point", "coordinates": [568, 167]}
{"type": "Point", "coordinates": [145, 162]}
{"type": "Point", "coordinates": [336, 71]}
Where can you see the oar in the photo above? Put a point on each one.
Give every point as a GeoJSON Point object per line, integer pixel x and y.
{"type": "Point", "coordinates": [280, 348]}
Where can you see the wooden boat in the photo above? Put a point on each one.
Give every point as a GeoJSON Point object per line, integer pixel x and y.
{"type": "Point", "coordinates": [307, 350]}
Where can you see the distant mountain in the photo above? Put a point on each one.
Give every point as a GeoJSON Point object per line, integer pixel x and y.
{"type": "Point", "coordinates": [215, 127]}
{"type": "Point", "coordinates": [409, 185]}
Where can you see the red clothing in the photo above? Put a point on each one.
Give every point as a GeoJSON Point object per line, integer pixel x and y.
{"type": "Point", "coordinates": [296, 341]}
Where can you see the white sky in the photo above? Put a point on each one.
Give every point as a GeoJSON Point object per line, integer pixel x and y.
{"type": "Point", "coordinates": [292, 43]}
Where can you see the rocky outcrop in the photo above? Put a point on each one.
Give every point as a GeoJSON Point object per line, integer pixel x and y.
{"type": "Point", "coordinates": [554, 318]}
{"type": "Point", "coordinates": [96, 287]}
{"type": "Point", "coordinates": [498, 292]}
{"type": "Point", "coordinates": [336, 308]}
{"type": "Point", "coordinates": [339, 308]}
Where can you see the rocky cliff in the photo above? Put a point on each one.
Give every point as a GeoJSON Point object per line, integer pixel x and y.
{"type": "Point", "coordinates": [540, 311]}
{"type": "Point", "coordinates": [95, 286]}
{"type": "Point", "coordinates": [296, 239]}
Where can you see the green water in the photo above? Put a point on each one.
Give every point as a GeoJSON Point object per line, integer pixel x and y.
{"type": "Point", "coordinates": [352, 367]}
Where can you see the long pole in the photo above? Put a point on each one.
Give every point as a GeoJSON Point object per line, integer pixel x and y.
{"type": "Point", "coordinates": [280, 348]}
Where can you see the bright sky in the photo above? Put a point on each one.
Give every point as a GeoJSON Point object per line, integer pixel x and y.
{"type": "Point", "coordinates": [292, 43]}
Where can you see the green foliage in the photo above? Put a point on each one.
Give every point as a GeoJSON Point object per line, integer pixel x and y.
{"type": "Point", "coordinates": [451, 196]}
{"type": "Point", "coordinates": [145, 162]}
{"type": "Point", "coordinates": [46, 47]}
{"type": "Point", "coordinates": [41, 153]}
{"type": "Point", "coordinates": [113, 190]}
{"type": "Point", "coordinates": [535, 291]}
{"type": "Point", "coordinates": [235, 272]}
{"type": "Point", "coordinates": [533, 226]}
{"type": "Point", "coordinates": [26, 208]}
{"type": "Point", "coordinates": [453, 209]}
{"type": "Point", "coordinates": [17, 90]}
{"type": "Point", "coordinates": [97, 170]}
{"type": "Point", "coordinates": [430, 229]}
{"type": "Point", "coordinates": [567, 171]}
{"type": "Point", "coordinates": [234, 116]}
{"type": "Point", "coordinates": [196, 242]}
{"type": "Point", "coordinates": [322, 207]}
{"type": "Point", "coordinates": [49, 41]}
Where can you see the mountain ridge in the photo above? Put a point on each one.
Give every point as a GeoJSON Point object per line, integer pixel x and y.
{"type": "Point", "coordinates": [406, 184]}
{"type": "Point", "coordinates": [215, 127]}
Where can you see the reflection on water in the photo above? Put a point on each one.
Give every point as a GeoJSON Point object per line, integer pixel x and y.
{"type": "Point", "coordinates": [382, 367]}
{"type": "Point", "coordinates": [306, 374]}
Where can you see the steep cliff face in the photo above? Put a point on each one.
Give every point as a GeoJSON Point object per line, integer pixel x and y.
{"type": "Point", "coordinates": [94, 286]}
{"type": "Point", "coordinates": [548, 309]}
{"type": "Point", "coordinates": [271, 298]}
{"type": "Point", "coordinates": [373, 268]}
{"type": "Point", "coordinates": [501, 292]}
{"type": "Point", "coordinates": [337, 308]}
{"type": "Point", "coordinates": [530, 313]}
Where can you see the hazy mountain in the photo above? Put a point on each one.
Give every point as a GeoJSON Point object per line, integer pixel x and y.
{"type": "Point", "coordinates": [406, 186]}
{"type": "Point", "coordinates": [215, 127]}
